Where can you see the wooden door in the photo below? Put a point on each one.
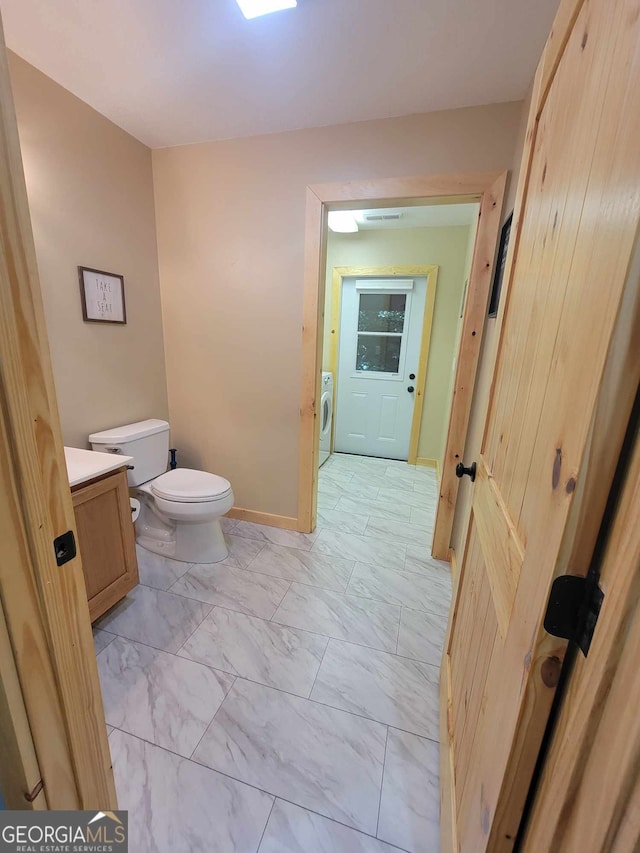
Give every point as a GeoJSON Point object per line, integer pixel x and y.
{"type": "Point", "coordinates": [54, 746]}
{"type": "Point", "coordinates": [107, 541]}
{"type": "Point", "coordinates": [557, 415]}
{"type": "Point", "coordinates": [379, 349]}
{"type": "Point", "coordinates": [589, 792]}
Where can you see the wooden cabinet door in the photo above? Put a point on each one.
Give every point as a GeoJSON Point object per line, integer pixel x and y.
{"type": "Point", "coordinates": [557, 413]}
{"type": "Point", "coordinates": [107, 541]}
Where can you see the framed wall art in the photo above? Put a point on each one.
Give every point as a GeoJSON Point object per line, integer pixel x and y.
{"type": "Point", "coordinates": [102, 295]}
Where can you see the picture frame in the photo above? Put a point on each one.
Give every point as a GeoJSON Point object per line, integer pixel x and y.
{"type": "Point", "coordinates": [501, 260]}
{"type": "Point", "coordinates": [102, 296]}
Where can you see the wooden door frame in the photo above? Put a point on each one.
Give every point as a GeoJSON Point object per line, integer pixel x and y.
{"type": "Point", "coordinates": [428, 271]}
{"type": "Point", "coordinates": [48, 666]}
{"type": "Point", "coordinates": [485, 187]}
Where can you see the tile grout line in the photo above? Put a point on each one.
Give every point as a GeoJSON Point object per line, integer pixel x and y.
{"type": "Point", "coordinates": [113, 637]}
{"type": "Point", "coordinates": [210, 723]}
{"type": "Point", "coordinates": [407, 487]}
{"type": "Point", "coordinates": [277, 607]}
{"type": "Point", "coordinates": [255, 557]}
{"type": "Point", "coordinates": [281, 624]}
{"type": "Point", "coordinates": [339, 639]}
{"type": "Point", "coordinates": [267, 823]}
{"type": "Point", "coordinates": [194, 630]}
{"type": "Point", "coordinates": [344, 592]}
{"type": "Point", "coordinates": [327, 637]}
{"type": "Point", "coordinates": [420, 573]}
{"type": "Point", "coordinates": [384, 764]}
{"type": "Point", "coordinates": [318, 670]}
{"type": "Point", "coordinates": [381, 601]}
{"type": "Point", "coordinates": [257, 788]}
{"type": "Point", "coordinates": [364, 717]}
{"type": "Point", "coordinates": [276, 624]}
{"type": "Point", "coordinates": [326, 705]}
{"type": "Point", "coordinates": [353, 568]}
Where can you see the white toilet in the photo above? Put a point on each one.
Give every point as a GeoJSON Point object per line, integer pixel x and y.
{"type": "Point", "coordinates": [180, 510]}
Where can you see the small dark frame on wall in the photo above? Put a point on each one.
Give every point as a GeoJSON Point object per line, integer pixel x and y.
{"type": "Point", "coordinates": [501, 260]}
{"type": "Point", "coordinates": [102, 295]}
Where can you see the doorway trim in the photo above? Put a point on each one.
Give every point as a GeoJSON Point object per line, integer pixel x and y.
{"type": "Point", "coordinates": [428, 271]}
{"type": "Point", "coordinates": [485, 187]}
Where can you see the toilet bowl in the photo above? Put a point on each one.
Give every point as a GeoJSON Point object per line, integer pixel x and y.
{"type": "Point", "coordinates": [180, 515]}
{"type": "Point", "coordinates": [180, 510]}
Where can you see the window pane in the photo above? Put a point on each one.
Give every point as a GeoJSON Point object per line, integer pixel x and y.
{"type": "Point", "coordinates": [381, 312]}
{"type": "Point", "coordinates": [379, 353]}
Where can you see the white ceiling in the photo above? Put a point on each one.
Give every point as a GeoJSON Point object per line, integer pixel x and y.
{"type": "Point", "coordinates": [180, 71]}
{"type": "Point", "coordinates": [429, 216]}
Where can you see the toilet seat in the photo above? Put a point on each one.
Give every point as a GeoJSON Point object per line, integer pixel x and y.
{"type": "Point", "coordinates": [187, 485]}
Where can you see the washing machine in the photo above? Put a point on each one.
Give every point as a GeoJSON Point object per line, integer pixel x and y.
{"type": "Point", "coordinates": [326, 416]}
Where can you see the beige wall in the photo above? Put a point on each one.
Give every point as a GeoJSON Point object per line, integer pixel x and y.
{"type": "Point", "coordinates": [446, 247]}
{"type": "Point", "coordinates": [486, 364]}
{"type": "Point", "coordinates": [230, 218]}
{"type": "Point", "coordinates": [90, 190]}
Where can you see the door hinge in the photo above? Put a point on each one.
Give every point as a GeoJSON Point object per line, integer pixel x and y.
{"type": "Point", "coordinates": [573, 609]}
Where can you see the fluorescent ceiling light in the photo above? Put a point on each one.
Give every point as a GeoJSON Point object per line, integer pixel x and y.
{"type": "Point", "coordinates": [255, 8]}
{"type": "Point", "coordinates": [342, 221]}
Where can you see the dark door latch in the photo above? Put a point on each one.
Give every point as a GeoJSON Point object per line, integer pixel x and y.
{"type": "Point", "coordinates": [64, 547]}
{"type": "Point", "coordinates": [470, 471]}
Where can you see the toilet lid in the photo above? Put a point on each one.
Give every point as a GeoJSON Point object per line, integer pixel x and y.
{"type": "Point", "coordinates": [189, 486]}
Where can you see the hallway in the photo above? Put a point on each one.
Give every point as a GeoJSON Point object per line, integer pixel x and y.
{"type": "Point", "coordinates": [287, 700]}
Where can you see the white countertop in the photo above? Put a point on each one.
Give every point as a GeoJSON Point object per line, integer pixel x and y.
{"type": "Point", "coordinates": [83, 465]}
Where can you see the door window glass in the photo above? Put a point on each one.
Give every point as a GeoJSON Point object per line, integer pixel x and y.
{"type": "Point", "coordinates": [379, 353]}
{"type": "Point", "coordinates": [382, 312]}
{"type": "Point", "coordinates": [381, 322]}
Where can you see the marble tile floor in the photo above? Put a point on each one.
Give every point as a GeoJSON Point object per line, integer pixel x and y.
{"type": "Point", "coordinates": [286, 700]}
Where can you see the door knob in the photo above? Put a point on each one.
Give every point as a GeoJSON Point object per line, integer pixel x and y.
{"type": "Point", "coordinates": [411, 389]}
{"type": "Point", "coordinates": [470, 471]}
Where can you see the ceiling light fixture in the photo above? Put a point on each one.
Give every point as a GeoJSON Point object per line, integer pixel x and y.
{"type": "Point", "coordinates": [255, 8]}
{"type": "Point", "coordinates": [342, 221]}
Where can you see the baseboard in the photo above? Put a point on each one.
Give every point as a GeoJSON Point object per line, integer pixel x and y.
{"type": "Point", "coordinates": [429, 463]}
{"type": "Point", "coordinates": [426, 463]}
{"type": "Point", "coordinates": [448, 817]}
{"type": "Point", "coordinates": [283, 521]}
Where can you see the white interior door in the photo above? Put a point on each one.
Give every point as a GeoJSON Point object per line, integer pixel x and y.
{"type": "Point", "coordinates": [379, 348]}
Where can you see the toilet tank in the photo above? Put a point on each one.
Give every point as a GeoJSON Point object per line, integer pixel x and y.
{"type": "Point", "coordinates": [146, 441]}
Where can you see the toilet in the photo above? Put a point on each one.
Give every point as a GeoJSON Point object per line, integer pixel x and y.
{"type": "Point", "coordinates": [180, 510]}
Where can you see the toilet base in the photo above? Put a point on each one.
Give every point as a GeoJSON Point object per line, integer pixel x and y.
{"type": "Point", "coordinates": [187, 542]}
{"type": "Point", "coordinates": [201, 543]}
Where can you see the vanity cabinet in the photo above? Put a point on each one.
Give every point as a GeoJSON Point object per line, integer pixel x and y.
{"type": "Point", "coordinates": [106, 539]}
